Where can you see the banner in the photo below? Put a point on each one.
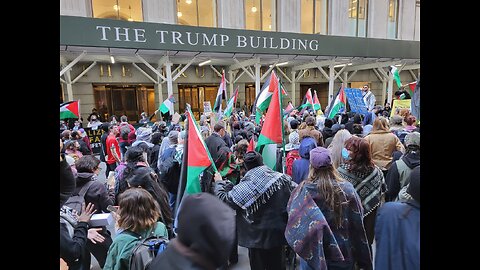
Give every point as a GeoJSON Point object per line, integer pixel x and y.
{"type": "Point", "coordinates": [399, 104]}
{"type": "Point", "coordinates": [355, 100]}
{"type": "Point", "coordinates": [207, 108]}
{"type": "Point", "coordinates": [94, 137]}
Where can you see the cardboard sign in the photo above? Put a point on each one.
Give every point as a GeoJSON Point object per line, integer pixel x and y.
{"type": "Point", "coordinates": [176, 118]}
{"type": "Point", "coordinates": [207, 107]}
{"type": "Point", "coordinates": [94, 135]}
{"type": "Point", "coordinates": [399, 104]}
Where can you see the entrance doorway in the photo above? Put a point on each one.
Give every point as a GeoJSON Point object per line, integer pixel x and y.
{"type": "Point", "coordinates": [322, 93]}
{"type": "Point", "coordinates": [195, 95]}
{"type": "Point", "coordinates": [129, 100]}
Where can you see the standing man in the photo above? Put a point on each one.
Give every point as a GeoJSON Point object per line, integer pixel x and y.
{"type": "Point", "coordinates": [215, 141]}
{"type": "Point", "coordinates": [113, 149]}
{"type": "Point", "coordinates": [368, 97]}
{"type": "Point", "coordinates": [260, 200]}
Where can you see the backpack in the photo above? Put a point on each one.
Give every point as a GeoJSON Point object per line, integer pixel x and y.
{"type": "Point", "coordinates": [76, 200]}
{"type": "Point", "coordinates": [291, 157]}
{"type": "Point", "coordinates": [401, 134]}
{"type": "Point", "coordinates": [146, 249]}
{"type": "Point", "coordinates": [169, 172]}
{"type": "Point", "coordinates": [124, 131]}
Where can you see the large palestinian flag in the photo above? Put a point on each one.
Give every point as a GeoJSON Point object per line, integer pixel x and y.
{"type": "Point", "coordinates": [69, 110]}
{"type": "Point", "coordinates": [221, 94]}
{"type": "Point", "coordinates": [198, 157]}
{"type": "Point", "coordinates": [231, 104]}
{"type": "Point", "coordinates": [339, 104]}
{"type": "Point", "coordinates": [262, 102]}
{"type": "Point", "coordinates": [272, 127]}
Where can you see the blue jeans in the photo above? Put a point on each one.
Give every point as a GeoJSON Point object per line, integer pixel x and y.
{"type": "Point", "coordinates": [172, 198]}
{"type": "Point", "coordinates": [303, 265]}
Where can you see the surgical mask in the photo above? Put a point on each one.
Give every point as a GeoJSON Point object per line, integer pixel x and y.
{"type": "Point", "coordinates": [345, 154]}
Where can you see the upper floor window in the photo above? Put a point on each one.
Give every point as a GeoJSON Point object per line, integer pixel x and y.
{"type": "Point", "coordinates": [196, 12]}
{"type": "Point", "coordinates": [357, 18]}
{"type": "Point", "coordinates": [314, 16]}
{"type": "Point", "coordinates": [127, 10]}
{"type": "Point", "coordinates": [392, 24]}
{"type": "Point", "coordinates": [260, 15]}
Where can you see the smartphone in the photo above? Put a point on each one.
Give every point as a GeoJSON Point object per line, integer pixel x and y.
{"type": "Point", "coordinates": [112, 208]}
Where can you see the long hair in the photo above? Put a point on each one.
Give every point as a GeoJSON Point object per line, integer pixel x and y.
{"type": "Point", "coordinates": [336, 146]}
{"type": "Point", "coordinates": [380, 123]}
{"type": "Point", "coordinates": [138, 210]}
{"type": "Point", "coordinates": [360, 157]}
{"type": "Point", "coordinates": [327, 179]}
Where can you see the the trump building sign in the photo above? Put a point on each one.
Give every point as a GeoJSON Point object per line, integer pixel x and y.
{"type": "Point", "coordinates": [90, 32]}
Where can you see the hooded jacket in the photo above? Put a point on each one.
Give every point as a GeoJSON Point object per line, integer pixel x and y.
{"type": "Point", "coordinates": [206, 244]}
{"type": "Point", "coordinates": [301, 166]}
{"type": "Point", "coordinates": [96, 193]}
{"type": "Point", "coordinates": [396, 179]}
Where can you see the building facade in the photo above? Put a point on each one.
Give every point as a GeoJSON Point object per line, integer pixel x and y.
{"type": "Point", "coordinates": [130, 78]}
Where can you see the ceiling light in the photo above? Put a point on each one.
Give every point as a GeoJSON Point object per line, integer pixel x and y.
{"type": "Point", "coordinates": [116, 7]}
{"type": "Point", "coordinates": [254, 9]}
{"type": "Point", "coordinates": [342, 65]}
{"type": "Point", "coordinates": [112, 59]}
{"type": "Point", "coordinates": [281, 64]}
{"type": "Point", "coordinates": [269, 26]}
{"type": "Point", "coordinates": [349, 64]}
{"type": "Point", "coordinates": [189, 1]}
{"type": "Point", "coordinates": [179, 14]}
{"type": "Point", "coordinates": [130, 19]}
{"type": "Point", "coordinates": [204, 63]}
{"type": "Point", "coordinates": [399, 65]}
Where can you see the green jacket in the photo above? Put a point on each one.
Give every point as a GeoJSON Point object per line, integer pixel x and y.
{"type": "Point", "coordinates": [118, 255]}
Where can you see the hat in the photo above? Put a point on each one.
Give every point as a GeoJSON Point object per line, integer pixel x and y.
{"type": "Point", "coordinates": [144, 134]}
{"type": "Point", "coordinates": [412, 138]}
{"type": "Point", "coordinates": [396, 120]}
{"type": "Point", "coordinates": [82, 132]}
{"type": "Point", "coordinates": [173, 137]}
{"type": "Point", "coordinates": [320, 157]}
{"type": "Point", "coordinates": [414, 185]}
{"type": "Point", "coordinates": [253, 159]}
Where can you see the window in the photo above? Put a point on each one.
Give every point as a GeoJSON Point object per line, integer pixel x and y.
{"type": "Point", "coordinates": [357, 18]}
{"type": "Point", "coordinates": [259, 15]}
{"type": "Point", "coordinates": [127, 10]}
{"type": "Point", "coordinates": [392, 24]}
{"type": "Point", "coordinates": [314, 16]}
{"type": "Point", "coordinates": [196, 13]}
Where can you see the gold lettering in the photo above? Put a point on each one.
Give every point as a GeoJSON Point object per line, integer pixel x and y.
{"type": "Point", "coordinates": [307, 74]}
{"type": "Point", "coordinates": [315, 73]}
{"type": "Point", "coordinates": [203, 72]}
{"type": "Point", "coordinates": [101, 71]}
{"type": "Point", "coordinates": [109, 70]}
{"type": "Point", "coordinates": [97, 139]}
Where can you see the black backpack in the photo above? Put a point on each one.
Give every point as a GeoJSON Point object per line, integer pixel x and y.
{"type": "Point", "coordinates": [124, 131]}
{"type": "Point", "coordinates": [76, 200]}
{"type": "Point", "coordinates": [169, 173]}
{"type": "Point", "coordinates": [146, 249]}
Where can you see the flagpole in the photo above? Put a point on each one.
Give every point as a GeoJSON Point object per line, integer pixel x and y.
{"type": "Point", "coordinates": [283, 128]}
{"type": "Point", "coordinates": [183, 171]}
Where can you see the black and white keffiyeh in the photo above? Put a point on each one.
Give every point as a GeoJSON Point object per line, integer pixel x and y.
{"type": "Point", "coordinates": [256, 188]}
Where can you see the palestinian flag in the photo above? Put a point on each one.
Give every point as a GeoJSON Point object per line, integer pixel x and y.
{"type": "Point", "coordinates": [69, 110]}
{"type": "Point", "coordinates": [272, 132]}
{"type": "Point", "coordinates": [262, 102]}
{"type": "Point", "coordinates": [339, 104]}
{"type": "Point", "coordinates": [411, 87]}
{"type": "Point", "coordinates": [167, 105]}
{"type": "Point", "coordinates": [221, 94]}
{"type": "Point", "coordinates": [396, 76]}
{"type": "Point", "coordinates": [198, 157]}
{"type": "Point", "coordinates": [231, 104]}
{"type": "Point", "coordinates": [316, 102]}
{"type": "Point", "coordinates": [307, 100]}
{"type": "Point", "coordinates": [251, 145]}
{"type": "Point", "coordinates": [288, 109]}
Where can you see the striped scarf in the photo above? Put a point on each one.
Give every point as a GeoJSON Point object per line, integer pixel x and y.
{"type": "Point", "coordinates": [368, 186]}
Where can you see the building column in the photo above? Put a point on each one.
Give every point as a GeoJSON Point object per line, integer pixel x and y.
{"type": "Point", "coordinates": [288, 14]}
{"type": "Point", "coordinates": [293, 87]}
{"type": "Point", "coordinates": [331, 81]}
{"type": "Point", "coordinates": [168, 66]}
{"type": "Point", "coordinates": [68, 80]}
{"type": "Point", "coordinates": [228, 15]}
{"type": "Point", "coordinates": [230, 79]}
{"type": "Point", "coordinates": [390, 87]}
{"type": "Point", "coordinates": [384, 90]}
{"type": "Point", "coordinates": [160, 11]}
{"type": "Point", "coordinates": [257, 79]}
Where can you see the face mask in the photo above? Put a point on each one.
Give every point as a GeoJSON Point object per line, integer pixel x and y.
{"type": "Point", "coordinates": [345, 154]}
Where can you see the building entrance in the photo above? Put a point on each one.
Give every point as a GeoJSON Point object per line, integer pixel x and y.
{"type": "Point", "coordinates": [322, 93]}
{"type": "Point", "coordinates": [195, 95]}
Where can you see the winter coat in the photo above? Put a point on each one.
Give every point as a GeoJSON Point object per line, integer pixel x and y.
{"type": "Point", "coordinates": [214, 142]}
{"type": "Point", "coordinates": [97, 193]}
{"type": "Point", "coordinates": [310, 131]}
{"type": "Point", "coordinates": [397, 179]}
{"type": "Point", "coordinates": [382, 144]}
{"type": "Point", "coordinates": [301, 166]}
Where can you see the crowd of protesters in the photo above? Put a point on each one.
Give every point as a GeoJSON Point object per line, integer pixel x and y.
{"type": "Point", "coordinates": [340, 185]}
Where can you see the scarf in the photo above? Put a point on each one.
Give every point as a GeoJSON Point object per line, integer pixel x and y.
{"type": "Point", "coordinates": [69, 218]}
{"type": "Point", "coordinates": [308, 232]}
{"type": "Point", "coordinates": [256, 188]}
{"type": "Point", "coordinates": [368, 186]}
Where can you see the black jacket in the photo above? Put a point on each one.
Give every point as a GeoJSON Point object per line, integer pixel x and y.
{"type": "Point", "coordinates": [214, 142]}
{"type": "Point", "coordinates": [267, 225]}
{"type": "Point", "coordinates": [67, 181]}
{"type": "Point", "coordinates": [392, 179]}
{"type": "Point", "coordinates": [72, 248]}
{"type": "Point", "coordinates": [97, 193]}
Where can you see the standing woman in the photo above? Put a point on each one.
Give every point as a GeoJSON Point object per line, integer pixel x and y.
{"type": "Point", "coordinates": [138, 213]}
{"type": "Point", "coordinates": [367, 179]}
{"type": "Point", "coordinates": [325, 219]}
{"type": "Point", "coordinates": [336, 146]}
{"type": "Point", "coordinates": [383, 143]}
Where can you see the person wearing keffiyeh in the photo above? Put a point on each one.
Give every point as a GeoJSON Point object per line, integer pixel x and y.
{"type": "Point", "coordinates": [260, 200]}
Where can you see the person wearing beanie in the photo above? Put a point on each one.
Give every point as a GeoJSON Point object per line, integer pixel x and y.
{"type": "Point", "coordinates": [301, 165]}
{"type": "Point", "coordinates": [143, 134]}
{"type": "Point", "coordinates": [399, 172]}
{"type": "Point", "coordinates": [205, 246]}
{"type": "Point", "coordinates": [325, 211]}
{"type": "Point", "coordinates": [260, 200]}
{"type": "Point", "coordinates": [397, 231]}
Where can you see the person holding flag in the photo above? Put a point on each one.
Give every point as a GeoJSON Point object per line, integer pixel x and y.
{"type": "Point", "coordinates": [260, 200]}
{"type": "Point", "coordinates": [221, 94]}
